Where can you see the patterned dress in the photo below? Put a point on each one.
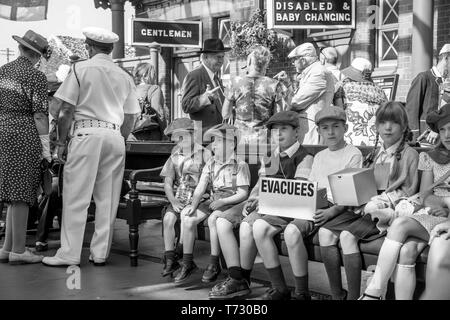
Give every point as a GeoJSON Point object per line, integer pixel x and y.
{"type": "Point", "coordinates": [255, 100]}
{"type": "Point", "coordinates": [361, 101]}
{"type": "Point", "coordinates": [23, 92]}
{"type": "Point", "coordinates": [428, 164]}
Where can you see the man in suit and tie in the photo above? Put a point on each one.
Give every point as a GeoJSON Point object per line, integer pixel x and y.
{"type": "Point", "coordinates": [425, 94]}
{"type": "Point", "coordinates": [203, 92]}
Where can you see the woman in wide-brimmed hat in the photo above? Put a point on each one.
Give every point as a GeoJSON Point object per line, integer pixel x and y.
{"type": "Point", "coordinates": [24, 141]}
{"type": "Point", "coordinates": [361, 98]}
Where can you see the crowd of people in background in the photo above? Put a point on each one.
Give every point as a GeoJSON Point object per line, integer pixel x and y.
{"type": "Point", "coordinates": [99, 107]}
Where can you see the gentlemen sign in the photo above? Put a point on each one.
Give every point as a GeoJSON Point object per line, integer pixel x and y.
{"type": "Point", "coordinates": [288, 198]}
{"type": "Point", "coordinates": [318, 14]}
{"type": "Point", "coordinates": [166, 33]}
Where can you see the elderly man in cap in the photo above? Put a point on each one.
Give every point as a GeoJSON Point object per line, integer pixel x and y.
{"type": "Point", "coordinates": [427, 94]}
{"type": "Point", "coordinates": [315, 90]}
{"type": "Point", "coordinates": [203, 91]}
{"type": "Point", "coordinates": [101, 99]}
{"type": "Point", "coordinates": [329, 57]}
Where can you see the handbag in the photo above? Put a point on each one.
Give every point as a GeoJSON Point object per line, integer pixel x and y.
{"type": "Point", "coordinates": [147, 120]}
{"type": "Point", "coordinates": [408, 206]}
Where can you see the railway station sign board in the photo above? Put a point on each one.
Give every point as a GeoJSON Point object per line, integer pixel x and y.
{"type": "Point", "coordinates": [145, 32]}
{"type": "Point", "coordinates": [312, 14]}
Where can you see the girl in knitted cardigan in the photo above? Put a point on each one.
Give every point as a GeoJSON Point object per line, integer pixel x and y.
{"type": "Point", "coordinates": [395, 162]}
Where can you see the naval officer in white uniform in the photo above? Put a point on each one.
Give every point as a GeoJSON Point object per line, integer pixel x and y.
{"type": "Point", "coordinates": [101, 99]}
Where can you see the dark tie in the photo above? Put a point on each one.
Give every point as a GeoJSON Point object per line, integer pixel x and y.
{"type": "Point", "coordinates": [218, 82]}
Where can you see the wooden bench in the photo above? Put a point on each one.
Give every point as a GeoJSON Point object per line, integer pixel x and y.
{"type": "Point", "coordinates": [154, 154]}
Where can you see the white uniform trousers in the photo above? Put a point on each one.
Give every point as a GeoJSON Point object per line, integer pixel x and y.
{"type": "Point", "coordinates": [94, 167]}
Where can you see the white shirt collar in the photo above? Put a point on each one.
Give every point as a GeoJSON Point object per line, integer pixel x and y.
{"type": "Point", "coordinates": [391, 150]}
{"type": "Point", "coordinates": [210, 73]}
{"type": "Point", "coordinates": [436, 72]}
{"type": "Point", "coordinates": [289, 151]}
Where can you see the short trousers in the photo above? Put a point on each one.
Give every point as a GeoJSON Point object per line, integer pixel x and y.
{"type": "Point", "coordinates": [278, 222]}
{"type": "Point", "coordinates": [306, 227]}
{"type": "Point", "coordinates": [232, 215]}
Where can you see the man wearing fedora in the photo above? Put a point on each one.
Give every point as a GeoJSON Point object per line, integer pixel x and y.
{"type": "Point", "coordinates": [202, 88]}
{"type": "Point", "coordinates": [101, 99]}
{"type": "Point", "coordinates": [425, 94]}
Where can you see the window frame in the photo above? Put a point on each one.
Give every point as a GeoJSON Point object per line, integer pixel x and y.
{"type": "Point", "coordinates": [381, 29]}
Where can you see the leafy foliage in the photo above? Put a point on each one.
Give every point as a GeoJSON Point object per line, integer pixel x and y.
{"type": "Point", "coordinates": [248, 34]}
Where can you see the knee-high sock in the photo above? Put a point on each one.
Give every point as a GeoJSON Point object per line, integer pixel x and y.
{"type": "Point", "coordinates": [332, 260]}
{"type": "Point", "coordinates": [277, 278]}
{"type": "Point", "coordinates": [352, 266]}
{"type": "Point", "coordinates": [387, 259]}
{"type": "Point", "coordinates": [405, 281]}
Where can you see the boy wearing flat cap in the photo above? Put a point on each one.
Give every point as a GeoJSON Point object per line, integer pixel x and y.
{"type": "Point", "coordinates": [181, 174]}
{"type": "Point", "coordinates": [101, 99]}
{"type": "Point", "coordinates": [331, 123]}
{"type": "Point", "coordinates": [229, 179]}
{"type": "Point", "coordinates": [289, 160]}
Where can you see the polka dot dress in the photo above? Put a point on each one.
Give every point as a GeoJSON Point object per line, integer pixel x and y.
{"type": "Point", "coordinates": [23, 91]}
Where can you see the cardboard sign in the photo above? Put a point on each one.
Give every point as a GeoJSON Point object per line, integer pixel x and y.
{"type": "Point", "coordinates": [290, 198]}
{"type": "Point", "coordinates": [353, 186]}
{"type": "Point", "coordinates": [382, 172]}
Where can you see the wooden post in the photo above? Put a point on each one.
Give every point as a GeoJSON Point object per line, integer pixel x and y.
{"type": "Point", "coordinates": [118, 12]}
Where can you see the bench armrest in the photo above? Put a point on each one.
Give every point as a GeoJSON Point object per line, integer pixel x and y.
{"type": "Point", "coordinates": [142, 175]}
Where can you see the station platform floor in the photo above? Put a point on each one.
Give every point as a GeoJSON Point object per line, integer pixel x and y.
{"type": "Point", "coordinates": [119, 281]}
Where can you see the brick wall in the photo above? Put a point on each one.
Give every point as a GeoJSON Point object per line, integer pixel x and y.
{"type": "Point", "coordinates": [404, 69]}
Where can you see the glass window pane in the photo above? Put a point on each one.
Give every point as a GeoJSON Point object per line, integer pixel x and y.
{"type": "Point", "coordinates": [389, 45]}
{"type": "Point", "coordinates": [390, 11]}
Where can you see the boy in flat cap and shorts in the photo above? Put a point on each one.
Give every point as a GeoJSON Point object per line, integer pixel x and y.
{"type": "Point", "coordinates": [229, 179]}
{"type": "Point", "coordinates": [181, 174]}
{"type": "Point", "coordinates": [289, 160]}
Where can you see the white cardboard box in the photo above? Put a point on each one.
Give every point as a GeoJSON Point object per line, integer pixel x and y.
{"type": "Point", "coordinates": [290, 198]}
{"type": "Point", "coordinates": [353, 186]}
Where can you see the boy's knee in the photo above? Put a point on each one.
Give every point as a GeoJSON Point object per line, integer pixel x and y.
{"type": "Point", "coordinates": [292, 235]}
{"type": "Point", "coordinates": [189, 223]}
{"type": "Point", "coordinates": [260, 229]}
{"type": "Point", "coordinates": [169, 219]}
{"type": "Point", "coordinates": [212, 221]}
{"type": "Point", "coordinates": [347, 239]}
{"type": "Point", "coordinates": [245, 232]}
{"type": "Point", "coordinates": [326, 237]}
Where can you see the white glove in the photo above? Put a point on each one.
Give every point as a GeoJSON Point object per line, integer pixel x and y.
{"type": "Point", "coordinates": [45, 141]}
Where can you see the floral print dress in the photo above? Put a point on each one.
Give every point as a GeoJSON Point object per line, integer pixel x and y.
{"type": "Point", "coordinates": [361, 101]}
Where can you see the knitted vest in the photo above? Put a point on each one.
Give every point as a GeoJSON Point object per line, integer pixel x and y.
{"type": "Point", "coordinates": [288, 165]}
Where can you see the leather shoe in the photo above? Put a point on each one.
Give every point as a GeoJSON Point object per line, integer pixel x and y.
{"type": "Point", "coordinates": [275, 294]}
{"type": "Point", "coordinates": [97, 262]}
{"type": "Point", "coordinates": [211, 273]}
{"type": "Point", "coordinates": [185, 272]}
{"type": "Point", "coordinates": [301, 296]}
{"type": "Point", "coordinates": [56, 261]}
{"type": "Point", "coordinates": [230, 288]}
{"type": "Point", "coordinates": [170, 267]}
{"type": "Point", "coordinates": [4, 256]}
{"type": "Point", "coordinates": [23, 258]}
{"type": "Point", "coordinates": [41, 246]}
